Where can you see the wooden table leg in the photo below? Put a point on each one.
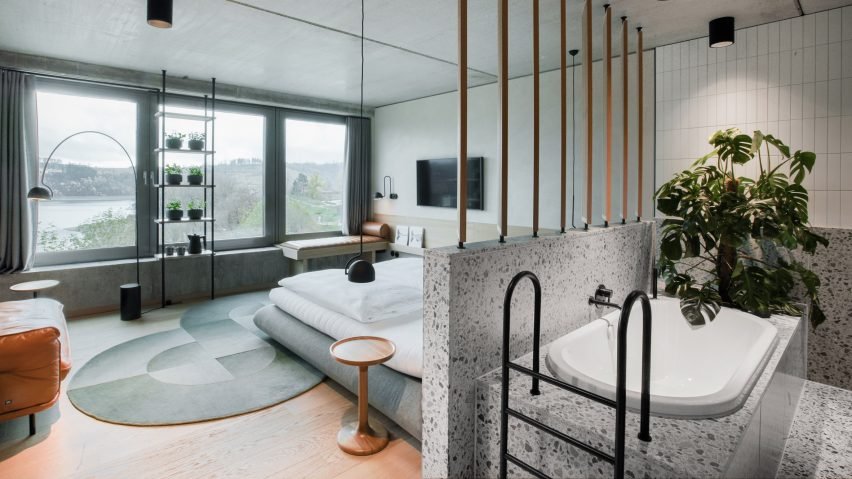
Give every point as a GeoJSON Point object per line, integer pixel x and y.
{"type": "Point", "coordinates": [362, 438]}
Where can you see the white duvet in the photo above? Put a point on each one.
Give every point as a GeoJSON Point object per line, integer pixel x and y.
{"type": "Point", "coordinates": [406, 331]}
{"type": "Point", "coordinates": [397, 291]}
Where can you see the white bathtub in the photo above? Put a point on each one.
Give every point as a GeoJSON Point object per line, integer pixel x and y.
{"type": "Point", "coordinates": [695, 372]}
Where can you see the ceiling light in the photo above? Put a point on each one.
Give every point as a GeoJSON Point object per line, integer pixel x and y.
{"type": "Point", "coordinates": [160, 13]}
{"type": "Point", "coordinates": [722, 32]}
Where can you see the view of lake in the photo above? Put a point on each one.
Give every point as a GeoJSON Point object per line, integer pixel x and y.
{"type": "Point", "coordinates": [70, 212]}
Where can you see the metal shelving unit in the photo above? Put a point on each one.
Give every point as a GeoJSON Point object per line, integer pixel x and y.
{"type": "Point", "coordinates": [207, 186]}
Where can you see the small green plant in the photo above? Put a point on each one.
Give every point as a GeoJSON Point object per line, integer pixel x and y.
{"type": "Point", "coordinates": [174, 205]}
{"type": "Point", "coordinates": [195, 171]}
{"type": "Point", "coordinates": [735, 240]}
{"type": "Point", "coordinates": [196, 205]}
{"type": "Point", "coordinates": [175, 136]}
{"type": "Point", "coordinates": [196, 136]}
{"type": "Point", "coordinates": [173, 169]}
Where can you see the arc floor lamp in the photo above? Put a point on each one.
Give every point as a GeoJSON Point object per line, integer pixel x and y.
{"type": "Point", "coordinates": [131, 294]}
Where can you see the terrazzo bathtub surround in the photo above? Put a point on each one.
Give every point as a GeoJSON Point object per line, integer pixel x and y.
{"type": "Point", "coordinates": [819, 443]}
{"type": "Point", "coordinates": [462, 318]}
{"type": "Point", "coordinates": [830, 345]}
{"type": "Point", "coordinates": [736, 445]}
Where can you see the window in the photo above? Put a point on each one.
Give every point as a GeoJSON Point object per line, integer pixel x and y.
{"type": "Point", "coordinates": [93, 211]}
{"type": "Point", "coordinates": [278, 173]}
{"type": "Point", "coordinates": [314, 154]}
{"type": "Point", "coordinates": [240, 177]}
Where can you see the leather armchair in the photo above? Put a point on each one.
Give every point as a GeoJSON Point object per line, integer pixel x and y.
{"type": "Point", "coordinates": [34, 357]}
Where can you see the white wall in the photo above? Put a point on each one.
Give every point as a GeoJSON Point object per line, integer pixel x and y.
{"type": "Point", "coordinates": [791, 78]}
{"type": "Point", "coordinates": [427, 128]}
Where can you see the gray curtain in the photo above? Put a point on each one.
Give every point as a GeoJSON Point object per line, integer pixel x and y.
{"type": "Point", "coordinates": [18, 167]}
{"type": "Point", "coordinates": [357, 197]}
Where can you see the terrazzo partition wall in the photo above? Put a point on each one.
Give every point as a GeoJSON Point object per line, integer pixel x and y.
{"type": "Point", "coordinates": [462, 317]}
{"type": "Point", "coordinates": [829, 345]}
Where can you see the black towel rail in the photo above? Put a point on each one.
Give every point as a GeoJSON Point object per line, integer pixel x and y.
{"type": "Point", "coordinates": [620, 402]}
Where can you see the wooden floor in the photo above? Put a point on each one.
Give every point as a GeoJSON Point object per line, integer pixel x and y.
{"type": "Point", "coordinates": [294, 439]}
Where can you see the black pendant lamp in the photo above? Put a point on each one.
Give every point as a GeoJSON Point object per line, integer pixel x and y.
{"type": "Point", "coordinates": [722, 32]}
{"type": "Point", "coordinates": [359, 270]}
{"type": "Point", "coordinates": [160, 13]}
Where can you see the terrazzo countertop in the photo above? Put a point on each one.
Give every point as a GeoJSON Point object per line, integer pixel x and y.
{"type": "Point", "coordinates": [679, 447]}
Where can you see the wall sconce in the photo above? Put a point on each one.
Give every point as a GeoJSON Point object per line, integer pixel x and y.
{"type": "Point", "coordinates": [387, 185]}
{"type": "Point", "coordinates": [722, 32]}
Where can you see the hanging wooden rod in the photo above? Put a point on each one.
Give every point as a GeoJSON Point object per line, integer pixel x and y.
{"type": "Point", "coordinates": [608, 86]}
{"type": "Point", "coordinates": [536, 120]}
{"type": "Point", "coordinates": [640, 107]}
{"type": "Point", "coordinates": [462, 133]}
{"type": "Point", "coordinates": [625, 137]}
{"type": "Point", "coordinates": [587, 68]}
{"type": "Point", "coordinates": [503, 87]}
{"type": "Point", "coordinates": [563, 129]}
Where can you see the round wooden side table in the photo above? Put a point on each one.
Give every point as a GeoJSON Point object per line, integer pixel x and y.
{"type": "Point", "coordinates": [362, 438]}
{"type": "Point", "coordinates": [34, 286]}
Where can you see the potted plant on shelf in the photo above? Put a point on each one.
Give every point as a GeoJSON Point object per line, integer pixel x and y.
{"type": "Point", "coordinates": [174, 140]}
{"type": "Point", "coordinates": [738, 241]}
{"type": "Point", "coordinates": [174, 211]}
{"type": "Point", "coordinates": [195, 209]}
{"type": "Point", "coordinates": [174, 174]}
{"type": "Point", "coordinates": [195, 176]}
{"type": "Point", "coordinates": [196, 141]}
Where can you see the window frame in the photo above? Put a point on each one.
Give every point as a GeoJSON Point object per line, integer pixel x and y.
{"type": "Point", "coordinates": [269, 162]}
{"type": "Point", "coordinates": [285, 114]}
{"type": "Point", "coordinates": [144, 100]}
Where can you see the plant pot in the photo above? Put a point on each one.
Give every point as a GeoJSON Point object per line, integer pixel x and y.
{"type": "Point", "coordinates": [174, 215]}
{"type": "Point", "coordinates": [194, 214]}
{"type": "Point", "coordinates": [174, 143]}
{"type": "Point", "coordinates": [170, 250]}
{"type": "Point", "coordinates": [194, 179]}
{"type": "Point", "coordinates": [173, 179]}
{"type": "Point", "coordinates": [196, 145]}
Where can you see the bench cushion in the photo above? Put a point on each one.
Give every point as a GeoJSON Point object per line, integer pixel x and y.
{"type": "Point", "coordinates": [327, 242]}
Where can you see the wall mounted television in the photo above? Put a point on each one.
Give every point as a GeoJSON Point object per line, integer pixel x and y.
{"type": "Point", "coordinates": [437, 183]}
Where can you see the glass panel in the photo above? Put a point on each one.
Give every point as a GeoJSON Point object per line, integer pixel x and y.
{"type": "Point", "coordinates": [93, 187]}
{"type": "Point", "coordinates": [239, 175]}
{"type": "Point", "coordinates": [314, 175]}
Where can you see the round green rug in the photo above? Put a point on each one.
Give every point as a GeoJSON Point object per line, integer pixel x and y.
{"type": "Point", "coordinates": [217, 364]}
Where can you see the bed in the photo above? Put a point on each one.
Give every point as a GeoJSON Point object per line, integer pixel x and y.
{"type": "Point", "coordinates": [312, 310]}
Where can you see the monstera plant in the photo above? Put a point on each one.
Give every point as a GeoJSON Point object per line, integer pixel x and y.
{"type": "Point", "coordinates": [735, 241]}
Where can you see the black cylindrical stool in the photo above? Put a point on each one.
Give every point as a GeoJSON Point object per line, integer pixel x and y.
{"type": "Point", "coordinates": [131, 301]}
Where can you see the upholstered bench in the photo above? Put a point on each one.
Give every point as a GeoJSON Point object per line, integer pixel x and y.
{"type": "Point", "coordinates": [34, 357]}
{"type": "Point", "coordinates": [376, 236]}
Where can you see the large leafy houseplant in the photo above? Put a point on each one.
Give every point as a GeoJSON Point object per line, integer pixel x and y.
{"type": "Point", "coordinates": [734, 241]}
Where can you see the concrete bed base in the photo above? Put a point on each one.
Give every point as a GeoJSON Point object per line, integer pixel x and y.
{"type": "Point", "coordinates": [396, 395]}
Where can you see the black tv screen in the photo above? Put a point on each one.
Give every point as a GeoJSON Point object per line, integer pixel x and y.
{"type": "Point", "coordinates": [437, 183]}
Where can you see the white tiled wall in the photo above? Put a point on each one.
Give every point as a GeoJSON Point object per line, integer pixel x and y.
{"type": "Point", "coordinates": [791, 78]}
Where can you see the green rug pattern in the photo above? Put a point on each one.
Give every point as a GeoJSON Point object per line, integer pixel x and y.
{"type": "Point", "coordinates": [217, 364]}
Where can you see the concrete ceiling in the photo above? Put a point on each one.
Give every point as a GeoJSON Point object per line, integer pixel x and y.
{"type": "Point", "coordinates": [311, 48]}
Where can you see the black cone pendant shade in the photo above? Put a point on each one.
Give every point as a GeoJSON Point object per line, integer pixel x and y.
{"type": "Point", "coordinates": [361, 271]}
{"type": "Point", "coordinates": [160, 13]}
